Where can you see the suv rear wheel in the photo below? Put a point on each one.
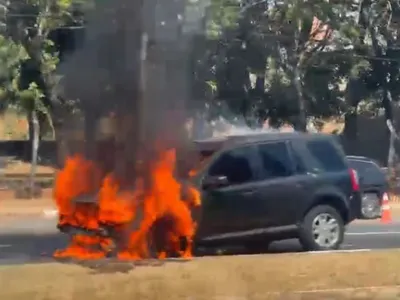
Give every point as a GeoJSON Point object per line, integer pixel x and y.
{"type": "Point", "coordinates": [322, 229]}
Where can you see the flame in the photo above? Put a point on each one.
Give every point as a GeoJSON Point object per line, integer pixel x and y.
{"type": "Point", "coordinates": [152, 221]}
{"type": "Point", "coordinates": [203, 160]}
{"type": "Point", "coordinates": [78, 177]}
{"type": "Point", "coordinates": [82, 247]}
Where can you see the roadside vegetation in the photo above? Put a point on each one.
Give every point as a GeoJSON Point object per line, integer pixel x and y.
{"type": "Point", "coordinates": [282, 276]}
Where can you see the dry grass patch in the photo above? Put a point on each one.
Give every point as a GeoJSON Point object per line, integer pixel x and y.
{"type": "Point", "coordinates": [395, 209]}
{"type": "Point", "coordinates": [381, 293]}
{"type": "Point", "coordinates": [239, 277]}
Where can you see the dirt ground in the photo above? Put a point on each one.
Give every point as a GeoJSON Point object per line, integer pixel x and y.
{"type": "Point", "coordinates": [281, 276]}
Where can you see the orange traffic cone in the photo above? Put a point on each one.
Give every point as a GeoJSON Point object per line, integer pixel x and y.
{"type": "Point", "coordinates": [386, 214]}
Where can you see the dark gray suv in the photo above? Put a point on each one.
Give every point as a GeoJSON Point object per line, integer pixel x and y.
{"type": "Point", "coordinates": [261, 188]}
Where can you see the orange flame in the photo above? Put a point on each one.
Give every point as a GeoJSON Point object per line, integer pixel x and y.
{"type": "Point", "coordinates": [155, 219]}
{"type": "Point", "coordinates": [78, 177]}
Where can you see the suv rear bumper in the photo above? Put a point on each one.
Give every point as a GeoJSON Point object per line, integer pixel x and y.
{"type": "Point", "coordinates": [355, 205]}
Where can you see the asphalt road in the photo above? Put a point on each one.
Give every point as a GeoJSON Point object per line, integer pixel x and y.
{"type": "Point", "coordinates": [34, 239]}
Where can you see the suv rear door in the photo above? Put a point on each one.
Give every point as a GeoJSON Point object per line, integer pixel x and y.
{"type": "Point", "coordinates": [280, 187]}
{"type": "Point", "coordinates": [324, 160]}
{"type": "Point", "coordinates": [327, 160]}
{"type": "Point", "coordinates": [223, 207]}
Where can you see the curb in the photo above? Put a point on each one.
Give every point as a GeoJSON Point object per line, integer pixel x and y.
{"type": "Point", "coordinates": [46, 213]}
{"type": "Point", "coordinates": [50, 213]}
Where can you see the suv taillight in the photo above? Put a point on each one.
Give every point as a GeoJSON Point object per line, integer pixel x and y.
{"type": "Point", "coordinates": [355, 184]}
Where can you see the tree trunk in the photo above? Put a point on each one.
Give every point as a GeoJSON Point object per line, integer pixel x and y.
{"type": "Point", "coordinates": [392, 156]}
{"type": "Point", "coordinates": [352, 90]}
{"type": "Point", "coordinates": [35, 148]}
{"type": "Point", "coordinates": [301, 123]}
{"type": "Point", "coordinates": [126, 74]}
{"type": "Point", "coordinates": [351, 117]}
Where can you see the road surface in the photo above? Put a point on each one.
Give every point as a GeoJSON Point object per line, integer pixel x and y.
{"type": "Point", "coordinates": [35, 239]}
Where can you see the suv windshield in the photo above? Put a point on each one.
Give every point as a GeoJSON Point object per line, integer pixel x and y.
{"type": "Point", "coordinates": [202, 158]}
{"type": "Point", "coordinates": [327, 157]}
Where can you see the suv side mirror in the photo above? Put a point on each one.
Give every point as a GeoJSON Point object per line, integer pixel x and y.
{"type": "Point", "coordinates": [214, 182]}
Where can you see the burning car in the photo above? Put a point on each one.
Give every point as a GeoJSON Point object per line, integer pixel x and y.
{"type": "Point", "coordinates": [104, 219]}
{"type": "Point", "coordinates": [222, 192]}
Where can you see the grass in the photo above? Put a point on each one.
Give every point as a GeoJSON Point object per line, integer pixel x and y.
{"type": "Point", "coordinates": [229, 277]}
{"type": "Point", "coordinates": [395, 210]}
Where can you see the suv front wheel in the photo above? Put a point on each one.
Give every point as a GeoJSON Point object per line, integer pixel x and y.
{"type": "Point", "coordinates": [322, 229]}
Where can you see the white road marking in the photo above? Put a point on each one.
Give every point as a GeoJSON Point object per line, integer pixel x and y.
{"type": "Point", "coordinates": [350, 289]}
{"type": "Point", "coordinates": [50, 213]}
{"type": "Point", "coordinates": [373, 233]}
{"type": "Point", "coordinates": [338, 251]}
{"type": "Point", "coordinates": [5, 246]}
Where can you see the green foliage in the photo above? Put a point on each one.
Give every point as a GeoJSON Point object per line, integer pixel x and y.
{"type": "Point", "coordinates": [11, 55]}
{"type": "Point", "coordinates": [29, 24]}
{"type": "Point", "coordinates": [222, 15]}
{"type": "Point", "coordinates": [31, 98]}
{"type": "Point", "coordinates": [250, 57]}
{"type": "Point", "coordinates": [261, 46]}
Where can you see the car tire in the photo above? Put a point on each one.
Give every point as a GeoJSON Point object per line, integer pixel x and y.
{"type": "Point", "coordinates": [371, 206]}
{"type": "Point", "coordinates": [322, 229]}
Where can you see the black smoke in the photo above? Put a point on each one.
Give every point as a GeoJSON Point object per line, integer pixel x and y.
{"type": "Point", "coordinates": [132, 68]}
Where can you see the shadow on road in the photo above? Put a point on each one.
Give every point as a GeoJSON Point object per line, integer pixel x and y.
{"type": "Point", "coordinates": [19, 249]}
{"type": "Point", "coordinates": [24, 248]}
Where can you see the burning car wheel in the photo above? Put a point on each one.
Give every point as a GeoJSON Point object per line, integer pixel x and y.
{"type": "Point", "coordinates": [161, 240]}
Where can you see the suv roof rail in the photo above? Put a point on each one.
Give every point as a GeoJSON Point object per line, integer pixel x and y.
{"type": "Point", "coordinates": [254, 137]}
{"type": "Point", "coordinates": [364, 159]}
{"type": "Point", "coordinates": [357, 157]}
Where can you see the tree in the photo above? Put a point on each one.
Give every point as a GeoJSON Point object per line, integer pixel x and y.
{"type": "Point", "coordinates": [11, 56]}
{"type": "Point", "coordinates": [380, 22]}
{"type": "Point", "coordinates": [267, 56]}
{"type": "Point", "coordinates": [31, 101]}
{"type": "Point", "coordinates": [30, 23]}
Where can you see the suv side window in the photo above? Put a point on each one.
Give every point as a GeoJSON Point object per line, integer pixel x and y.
{"type": "Point", "coordinates": [326, 155]}
{"type": "Point", "coordinates": [276, 160]}
{"type": "Point", "coordinates": [235, 165]}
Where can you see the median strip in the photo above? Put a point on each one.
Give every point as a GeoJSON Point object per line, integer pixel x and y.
{"type": "Point", "coordinates": [246, 277]}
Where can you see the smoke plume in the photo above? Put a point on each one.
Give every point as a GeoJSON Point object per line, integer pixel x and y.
{"type": "Point", "coordinates": [132, 71]}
